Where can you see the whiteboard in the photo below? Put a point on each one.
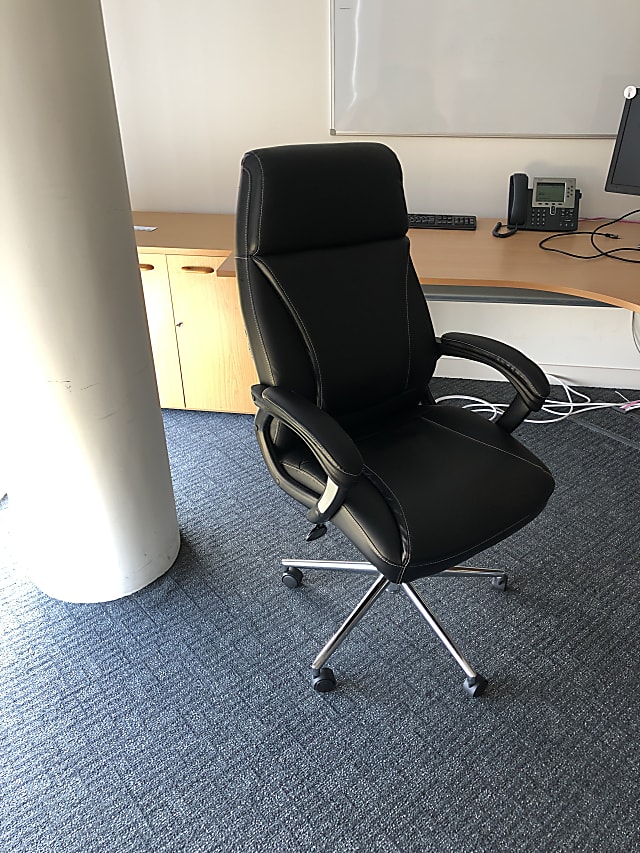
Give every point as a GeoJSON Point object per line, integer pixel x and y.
{"type": "Point", "coordinates": [543, 68]}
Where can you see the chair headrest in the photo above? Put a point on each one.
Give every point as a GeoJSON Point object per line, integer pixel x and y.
{"type": "Point", "coordinates": [300, 197]}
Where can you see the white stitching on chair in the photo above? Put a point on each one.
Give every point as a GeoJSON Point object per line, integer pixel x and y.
{"type": "Point", "coordinates": [246, 260]}
{"type": "Point", "coordinates": [253, 153]}
{"type": "Point", "coordinates": [491, 446]}
{"type": "Point", "coordinates": [406, 302]}
{"type": "Point", "coordinates": [346, 509]}
{"type": "Point", "coordinates": [404, 564]}
{"type": "Point", "coordinates": [452, 558]}
{"type": "Point", "coordinates": [309, 341]}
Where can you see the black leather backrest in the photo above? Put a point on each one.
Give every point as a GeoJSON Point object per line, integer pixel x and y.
{"type": "Point", "coordinates": [316, 196]}
{"type": "Point", "coordinates": [331, 302]}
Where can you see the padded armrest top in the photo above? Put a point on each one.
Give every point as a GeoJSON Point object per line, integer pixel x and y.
{"type": "Point", "coordinates": [523, 373]}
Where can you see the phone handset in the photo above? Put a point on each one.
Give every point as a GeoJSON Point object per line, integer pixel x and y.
{"type": "Point", "coordinates": [517, 206]}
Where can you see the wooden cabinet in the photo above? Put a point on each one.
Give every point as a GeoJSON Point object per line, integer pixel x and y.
{"type": "Point", "coordinates": [162, 329]}
{"type": "Point", "coordinates": [200, 348]}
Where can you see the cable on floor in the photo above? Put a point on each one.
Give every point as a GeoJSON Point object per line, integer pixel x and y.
{"type": "Point", "coordinates": [576, 403]}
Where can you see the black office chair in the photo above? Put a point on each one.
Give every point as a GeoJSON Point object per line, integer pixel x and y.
{"type": "Point", "coordinates": [344, 348]}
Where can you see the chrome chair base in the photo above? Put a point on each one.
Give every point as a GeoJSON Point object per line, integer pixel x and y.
{"type": "Point", "coordinates": [323, 677]}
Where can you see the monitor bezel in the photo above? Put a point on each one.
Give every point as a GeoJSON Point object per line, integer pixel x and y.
{"type": "Point", "coordinates": [610, 186]}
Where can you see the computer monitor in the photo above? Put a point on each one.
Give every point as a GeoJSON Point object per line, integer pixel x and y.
{"type": "Point", "coordinates": [624, 171]}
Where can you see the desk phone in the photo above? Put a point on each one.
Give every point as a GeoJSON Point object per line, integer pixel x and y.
{"type": "Point", "coordinates": [552, 204]}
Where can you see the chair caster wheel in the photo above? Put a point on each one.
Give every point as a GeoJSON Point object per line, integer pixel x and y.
{"type": "Point", "coordinates": [292, 578]}
{"type": "Point", "coordinates": [475, 686]}
{"type": "Point", "coordinates": [500, 582]}
{"type": "Point", "coordinates": [324, 681]}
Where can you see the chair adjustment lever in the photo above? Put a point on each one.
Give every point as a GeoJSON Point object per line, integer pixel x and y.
{"type": "Point", "coordinates": [316, 532]}
{"type": "Point", "coordinates": [328, 503]}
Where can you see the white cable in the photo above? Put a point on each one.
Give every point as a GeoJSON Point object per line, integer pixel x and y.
{"type": "Point", "coordinates": [476, 404]}
{"type": "Point", "coordinates": [558, 409]}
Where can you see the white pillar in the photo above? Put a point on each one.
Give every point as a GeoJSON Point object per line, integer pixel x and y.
{"type": "Point", "coordinates": [90, 496]}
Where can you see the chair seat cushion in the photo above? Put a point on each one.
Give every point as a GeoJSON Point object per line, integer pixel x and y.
{"type": "Point", "coordinates": [440, 485]}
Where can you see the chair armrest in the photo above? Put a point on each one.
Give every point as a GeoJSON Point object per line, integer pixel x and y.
{"type": "Point", "coordinates": [524, 374]}
{"type": "Point", "coordinates": [330, 444]}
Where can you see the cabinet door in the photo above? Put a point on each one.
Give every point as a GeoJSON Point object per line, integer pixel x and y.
{"type": "Point", "coordinates": [162, 329]}
{"type": "Point", "coordinates": [217, 368]}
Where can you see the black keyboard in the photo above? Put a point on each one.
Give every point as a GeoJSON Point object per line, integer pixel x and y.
{"type": "Point", "coordinates": [442, 220]}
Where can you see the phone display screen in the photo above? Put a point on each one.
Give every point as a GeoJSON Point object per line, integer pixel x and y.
{"type": "Point", "coordinates": [553, 193]}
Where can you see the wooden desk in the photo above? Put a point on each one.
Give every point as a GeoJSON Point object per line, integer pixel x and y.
{"type": "Point", "coordinates": [199, 345]}
{"type": "Point", "coordinates": [186, 233]}
{"type": "Point", "coordinates": [197, 332]}
{"type": "Point", "coordinates": [476, 258]}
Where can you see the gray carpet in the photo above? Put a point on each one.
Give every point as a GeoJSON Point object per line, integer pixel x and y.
{"type": "Point", "coordinates": [182, 718]}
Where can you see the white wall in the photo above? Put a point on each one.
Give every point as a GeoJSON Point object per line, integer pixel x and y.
{"type": "Point", "coordinates": [199, 82]}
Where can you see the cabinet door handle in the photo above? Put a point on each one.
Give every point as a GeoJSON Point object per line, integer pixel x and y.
{"type": "Point", "coordinates": [200, 270]}
{"type": "Point", "coordinates": [147, 267]}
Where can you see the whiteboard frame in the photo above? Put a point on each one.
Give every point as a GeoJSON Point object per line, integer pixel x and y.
{"type": "Point", "coordinates": [439, 134]}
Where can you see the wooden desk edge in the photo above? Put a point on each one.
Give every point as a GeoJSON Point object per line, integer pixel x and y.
{"type": "Point", "coordinates": [214, 234]}
{"type": "Point", "coordinates": [185, 233]}
{"type": "Point", "coordinates": [592, 296]}
{"type": "Point", "coordinates": [518, 263]}
{"type": "Point", "coordinates": [228, 268]}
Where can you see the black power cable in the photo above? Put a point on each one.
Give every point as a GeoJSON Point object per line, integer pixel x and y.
{"type": "Point", "coordinates": [597, 232]}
